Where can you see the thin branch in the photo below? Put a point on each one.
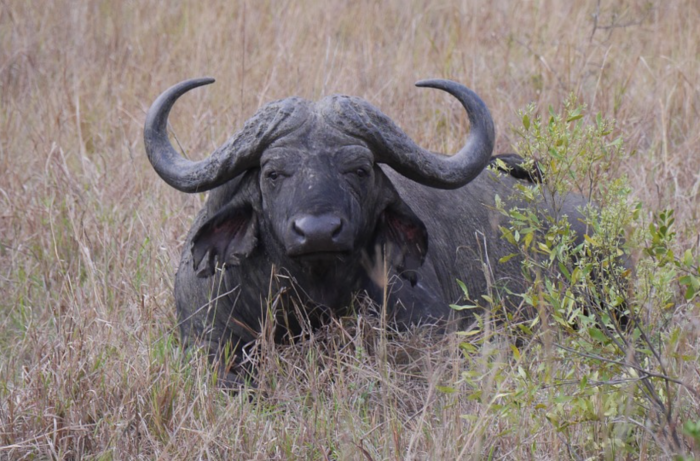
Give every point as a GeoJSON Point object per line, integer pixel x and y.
{"type": "Point", "coordinates": [631, 365]}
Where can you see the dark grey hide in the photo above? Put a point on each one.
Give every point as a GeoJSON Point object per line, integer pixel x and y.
{"type": "Point", "coordinates": [311, 201]}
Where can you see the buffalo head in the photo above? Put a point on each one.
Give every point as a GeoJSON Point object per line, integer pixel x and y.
{"type": "Point", "coordinates": [311, 190]}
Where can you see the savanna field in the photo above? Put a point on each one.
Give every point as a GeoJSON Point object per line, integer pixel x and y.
{"type": "Point", "coordinates": [90, 236]}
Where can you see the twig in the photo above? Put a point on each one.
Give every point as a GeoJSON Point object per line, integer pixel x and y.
{"type": "Point", "coordinates": [631, 365]}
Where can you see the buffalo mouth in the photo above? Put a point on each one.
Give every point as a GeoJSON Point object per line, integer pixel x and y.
{"type": "Point", "coordinates": [320, 257]}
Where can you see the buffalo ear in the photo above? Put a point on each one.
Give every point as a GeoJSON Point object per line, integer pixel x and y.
{"type": "Point", "coordinates": [404, 238]}
{"type": "Point", "coordinates": [229, 236]}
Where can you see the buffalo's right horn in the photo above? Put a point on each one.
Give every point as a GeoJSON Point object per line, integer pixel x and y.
{"type": "Point", "coordinates": [236, 155]}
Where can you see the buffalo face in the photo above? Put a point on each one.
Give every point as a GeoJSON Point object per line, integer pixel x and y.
{"type": "Point", "coordinates": [320, 203]}
{"type": "Point", "coordinates": [318, 191]}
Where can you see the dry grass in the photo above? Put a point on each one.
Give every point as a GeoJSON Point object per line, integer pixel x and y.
{"type": "Point", "coordinates": [90, 236]}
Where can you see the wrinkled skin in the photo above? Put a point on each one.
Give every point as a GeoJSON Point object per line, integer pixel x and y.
{"type": "Point", "coordinates": [314, 220]}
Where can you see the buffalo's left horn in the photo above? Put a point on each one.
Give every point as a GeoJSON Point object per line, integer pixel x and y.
{"type": "Point", "coordinates": [393, 147]}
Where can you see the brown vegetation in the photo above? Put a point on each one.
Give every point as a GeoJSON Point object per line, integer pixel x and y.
{"type": "Point", "coordinates": [89, 235]}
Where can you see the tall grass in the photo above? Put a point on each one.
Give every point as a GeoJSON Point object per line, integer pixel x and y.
{"type": "Point", "coordinates": [90, 236]}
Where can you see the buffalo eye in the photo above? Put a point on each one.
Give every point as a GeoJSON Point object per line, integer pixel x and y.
{"type": "Point", "coordinates": [362, 172]}
{"type": "Point", "coordinates": [272, 175]}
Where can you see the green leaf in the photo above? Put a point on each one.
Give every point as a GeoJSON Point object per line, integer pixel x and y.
{"type": "Point", "coordinates": [516, 352]}
{"type": "Point", "coordinates": [555, 153]}
{"type": "Point", "coordinates": [461, 307]}
{"type": "Point", "coordinates": [446, 389]}
{"type": "Point", "coordinates": [598, 335]}
{"type": "Point", "coordinates": [564, 271]}
{"type": "Point", "coordinates": [591, 240]}
{"type": "Point", "coordinates": [468, 347]}
{"type": "Point", "coordinates": [616, 143]}
{"type": "Point", "coordinates": [687, 258]}
{"type": "Point", "coordinates": [690, 293]}
{"type": "Point", "coordinates": [464, 289]}
{"type": "Point", "coordinates": [507, 258]}
{"type": "Point", "coordinates": [473, 332]}
{"type": "Point", "coordinates": [543, 248]}
{"type": "Point", "coordinates": [575, 115]}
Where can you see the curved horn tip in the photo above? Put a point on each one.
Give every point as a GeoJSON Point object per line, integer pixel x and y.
{"type": "Point", "coordinates": [205, 80]}
{"type": "Point", "coordinates": [196, 82]}
{"type": "Point", "coordinates": [183, 87]}
{"type": "Point", "coordinates": [159, 110]}
{"type": "Point", "coordinates": [438, 83]}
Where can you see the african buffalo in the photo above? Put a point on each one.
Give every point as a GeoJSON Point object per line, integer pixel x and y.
{"type": "Point", "coordinates": [313, 203]}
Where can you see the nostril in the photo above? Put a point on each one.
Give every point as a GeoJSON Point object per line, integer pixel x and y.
{"type": "Point", "coordinates": [336, 230]}
{"type": "Point", "coordinates": [297, 228]}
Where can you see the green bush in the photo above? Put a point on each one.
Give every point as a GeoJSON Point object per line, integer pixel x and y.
{"type": "Point", "coordinates": [600, 364]}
